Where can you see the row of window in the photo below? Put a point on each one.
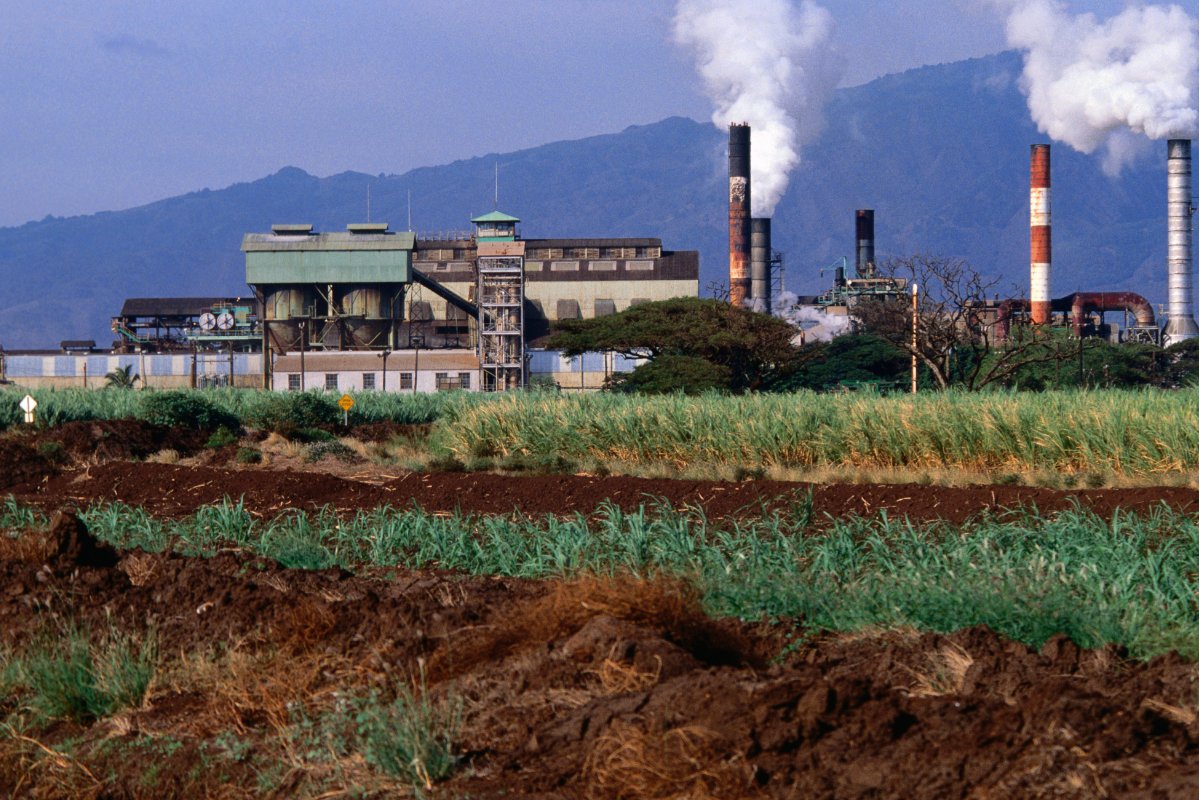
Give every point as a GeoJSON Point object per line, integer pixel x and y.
{"type": "Point", "coordinates": [593, 252]}
{"type": "Point", "coordinates": [462, 254]}
{"type": "Point", "coordinates": [442, 381]}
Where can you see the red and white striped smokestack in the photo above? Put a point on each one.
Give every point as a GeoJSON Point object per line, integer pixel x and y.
{"type": "Point", "coordinates": [1039, 233]}
{"type": "Point", "coordinates": [739, 214]}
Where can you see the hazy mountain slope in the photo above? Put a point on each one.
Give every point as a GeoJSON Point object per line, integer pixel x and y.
{"type": "Point", "coordinates": [941, 153]}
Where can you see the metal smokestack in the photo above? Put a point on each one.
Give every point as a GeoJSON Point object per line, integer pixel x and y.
{"type": "Point", "coordinates": [1039, 233]}
{"type": "Point", "coordinates": [760, 264]}
{"type": "Point", "coordinates": [739, 214]}
{"type": "Point", "coordinates": [864, 235]}
{"type": "Point", "coordinates": [1181, 324]}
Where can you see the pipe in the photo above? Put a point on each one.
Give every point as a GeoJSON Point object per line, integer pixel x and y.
{"type": "Point", "coordinates": [760, 264]}
{"type": "Point", "coordinates": [1084, 303]}
{"type": "Point", "coordinates": [1039, 233]}
{"type": "Point", "coordinates": [1004, 314]}
{"type": "Point", "coordinates": [1080, 304]}
{"type": "Point", "coordinates": [739, 214]}
{"type": "Point", "coordinates": [1181, 324]}
{"type": "Point", "coordinates": [864, 235]}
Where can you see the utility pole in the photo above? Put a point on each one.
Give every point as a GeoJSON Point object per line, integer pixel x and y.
{"type": "Point", "coordinates": [386, 352]}
{"type": "Point", "coordinates": [302, 326]}
{"type": "Point", "coordinates": [914, 338]}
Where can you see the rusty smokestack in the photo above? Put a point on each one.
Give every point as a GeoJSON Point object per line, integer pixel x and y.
{"type": "Point", "coordinates": [760, 264]}
{"type": "Point", "coordinates": [1039, 234]}
{"type": "Point", "coordinates": [864, 237]}
{"type": "Point", "coordinates": [739, 214]}
{"type": "Point", "coordinates": [1181, 323]}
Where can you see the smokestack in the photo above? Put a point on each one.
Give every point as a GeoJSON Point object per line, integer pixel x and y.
{"type": "Point", "coordinates": [1039, 233]}
{"type": "Point", "coordinates": [864, 235]}
{"type": "Point", "coordinates": [739, 214]}
{"type": "Point", "coordinates": [1181, 324]}
{"type": "Point", "coordinates": [760, 264]}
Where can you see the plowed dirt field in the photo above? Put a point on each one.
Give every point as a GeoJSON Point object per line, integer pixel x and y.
{"type": "Point", "coordinates": [580, 688]}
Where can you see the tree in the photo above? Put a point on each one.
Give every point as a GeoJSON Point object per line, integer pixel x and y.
{"type": "Point", "coordinates": [954, 342]}
{"type": "Point", "coordinates": [852, 357]}
{"type": "Point", "coordinates": [673, 373]}
{"type": "Point", "coordinates": [121, 378]}
{"type": "Point", "coordinates": [749, 351]}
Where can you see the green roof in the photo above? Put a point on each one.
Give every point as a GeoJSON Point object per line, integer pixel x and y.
{"type": "Point", "coordinates": [495, 216]}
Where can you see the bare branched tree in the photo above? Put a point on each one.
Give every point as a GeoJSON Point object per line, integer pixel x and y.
{"type": "Point", "coordinates": [954, 340]}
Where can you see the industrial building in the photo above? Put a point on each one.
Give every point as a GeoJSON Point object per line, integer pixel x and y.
{"type": "Point", "coordinates": [1083, 313]}
{"type": "Point", "coordinates": [369, 308]}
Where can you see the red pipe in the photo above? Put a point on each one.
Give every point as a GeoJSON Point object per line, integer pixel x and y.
{"type": "Point", "coordinates": [1080, 304]}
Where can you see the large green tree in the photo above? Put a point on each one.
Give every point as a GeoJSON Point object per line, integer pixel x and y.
{"type": "Point", "coordinates": [746, 351]}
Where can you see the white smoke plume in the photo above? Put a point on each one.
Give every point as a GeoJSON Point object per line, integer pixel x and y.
{"type": "Point", "coordinates": [1091, 82]}
{"type": "Point", "coordinates": [816, 324]}
{"type": "Point", "coordinates": [769, 63]}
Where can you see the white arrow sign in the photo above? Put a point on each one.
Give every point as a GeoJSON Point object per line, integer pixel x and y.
{"type": "Point", "coordinates": [28, 404]}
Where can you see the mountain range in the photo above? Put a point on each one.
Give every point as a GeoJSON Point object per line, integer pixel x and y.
{"type": "Point", "coordinates": [940, 152]}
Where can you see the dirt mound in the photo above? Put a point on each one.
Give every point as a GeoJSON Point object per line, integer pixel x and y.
{"type": "Point", "coordinates": [168, 489]}
{"type": "Point", "coordinates": [113, 439]}
{"type": "Point", "coordinates": [35, 456]}
{"type": "Point", "coordinates": [590, 688]}
{"type": "Point", "coordinates": [23, 465]}
{"type": "Point", "coordinates": [71, 542]}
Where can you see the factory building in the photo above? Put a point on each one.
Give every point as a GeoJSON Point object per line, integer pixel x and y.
{"type": "Point", "coordinates": [369, 308]}
{"type": "Point", "coordinates": [458, 311]}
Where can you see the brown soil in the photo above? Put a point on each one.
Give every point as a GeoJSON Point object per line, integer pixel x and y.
{"type": "Point", "coordinates": [587, 688]}
{"type": "Point", "coordinates": [583, 688]}
{"type": "Point", "coordinates": [173, 490]}
{"type": "Point", "coordinates": [34, 456]}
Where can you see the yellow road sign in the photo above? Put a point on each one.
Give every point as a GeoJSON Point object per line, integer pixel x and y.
{"type": "Point", "coordinates": [346, 403]}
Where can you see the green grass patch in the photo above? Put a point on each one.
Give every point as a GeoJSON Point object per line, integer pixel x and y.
{"type": "Point", "coordinates": [1129, 580]}
{"type": "Point", "coordinates": [70, 674]}
{"type": "Point", "coordinates": [1126, 433]}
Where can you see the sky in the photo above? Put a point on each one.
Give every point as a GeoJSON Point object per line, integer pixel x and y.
{"type": "Point", "coordinates": [111, 104]}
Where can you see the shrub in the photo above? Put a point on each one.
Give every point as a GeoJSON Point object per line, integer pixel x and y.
{"type": "Point", "coordinates": [285, 413]}
{"type": "Point", "coordinates": [310, 435]}
{"type": "Point", "coordinates": [185, 409]}
{"type": "Point", "coordinates": [53, 452]}
{"type": "Point", "coordinates": [249, 455]}
{"type": "Point", "coordinates": [221, 437]}
{"type": "Point", "coordinates": [72, 677]}
{"type": "Point", "coordinates": [329, 449]}
{"type": "Point", "coordinates": [412, 737]}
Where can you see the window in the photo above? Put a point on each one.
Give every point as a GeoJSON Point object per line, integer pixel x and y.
{"type": "Point", "coordinates": [464, 380]}
{"type": "Point", "coordinates": [406, 380]}
{"type": "Point", "coordinates": [368, 380]}
{"type": "Point", "coordinates": [331, 381]}
{"type": "Point", "coordinates": [293, 382]}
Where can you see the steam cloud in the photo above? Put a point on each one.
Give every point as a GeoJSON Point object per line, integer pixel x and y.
{"type": "Point", "coordinates": [817, 325]}
{"type": "Point", "coordinates": [768, 63]}
{"type": "Point", "coordinates": [1093, 84]}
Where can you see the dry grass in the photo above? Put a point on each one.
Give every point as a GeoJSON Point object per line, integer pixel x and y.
{"type": "Point", "coordinates": [687, 762]}
{"type": "Point", "coordinates": [140, 568]}
{"type": "Point", "coordinates": [32, 547]}
{"type": "Point", "coordinates": [167, 456]}
{"type": "Point", "coordinates": [31, 768]}
{"type": "Point", "coordinates": [671, 607]}
{"type": "Point", "coordinates": [1184, 716]}
{"type": "Point", "coordinates": [944, 674]}
{"type": "Point", "coordinates": [617, 677]}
